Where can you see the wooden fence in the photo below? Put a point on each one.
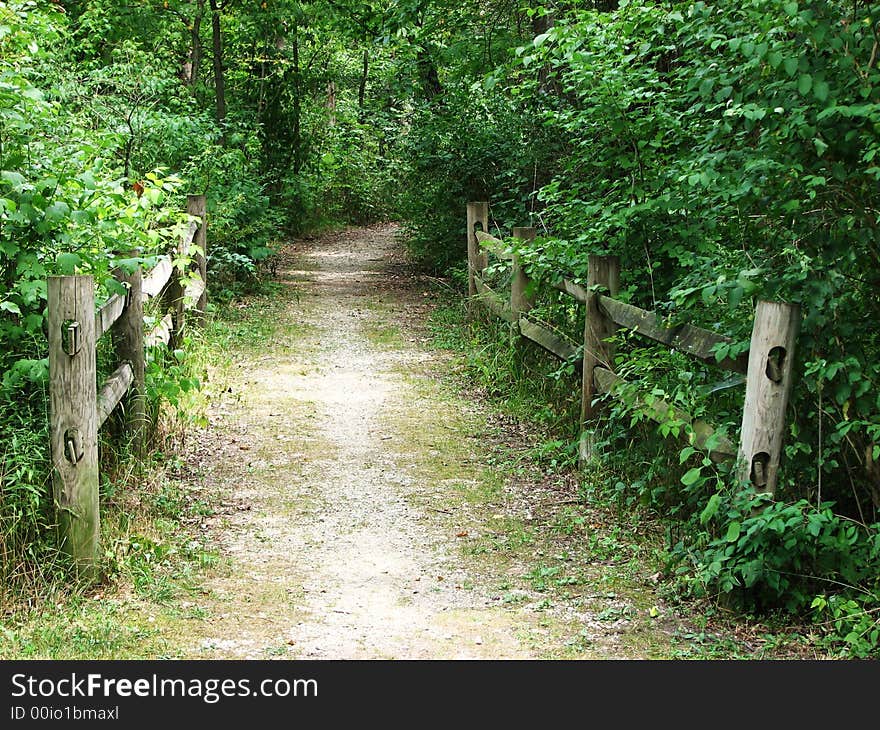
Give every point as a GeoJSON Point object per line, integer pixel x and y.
{"type": "Point", "coordinates": [78, 408]}
{"type": "Point", "coordinates": [767, 365]}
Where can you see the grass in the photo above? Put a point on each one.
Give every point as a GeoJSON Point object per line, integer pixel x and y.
{"type": "Point", "coordinates": [81, 627]}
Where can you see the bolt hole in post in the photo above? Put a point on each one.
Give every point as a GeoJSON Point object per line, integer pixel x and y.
{"type": "Point", "coordinates": [760, 466]}
{"type": "Point", "coordinates": [775, 364]}
{"type": "Point", "coordinates": [70, 339]}
{"type": "Point", "coordinates": [73, 448]}
{"type": "Point", "coordinates": [477, 214]}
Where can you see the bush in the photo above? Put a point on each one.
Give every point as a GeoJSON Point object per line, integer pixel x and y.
{"type": "Point", "coordinates": [761, 555]}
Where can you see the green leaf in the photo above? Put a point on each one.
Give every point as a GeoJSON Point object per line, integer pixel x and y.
{"type": "Point", "coordinates": [57, 211]}
{"type": "Point", "coordinates": [16, 180]}
{"type": "Point", "coordinates": [805, 83]}
{"type": "Point", "coordinates": [733, 531]}
{"type": "Point", "coordinates": [820, 89]}
{"type": "Point", "coordinates": [67, 263]}
{"type": "Point", "coordinates": [692, 475]}
{"type": "Point", "coordinates": [10, 307]}
{"type": "Point", "coordinates": [790, 8]}
{"type": "Point", "coordinates": [790, 65]}
{"type": "Point", "coordinates": [711, 508]}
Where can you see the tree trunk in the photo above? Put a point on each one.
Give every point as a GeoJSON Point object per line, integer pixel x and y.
{"type": "Point", "coordinates": [297, 141]}
{"type": "Point", "coordinates": [219, 80]}
{"type": "Point", "coordinates": [331, 103]}
{"type": "Point", "coordinates": [542, 24]}
{"type": "Point", "coordinates": [362, 88]}
{"type": "Point", "coordinates": [195, 53]}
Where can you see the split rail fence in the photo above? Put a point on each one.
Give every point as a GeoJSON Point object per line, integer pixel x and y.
{"type": "Point", "coordinates": [767, 364]}
{"type": "Point", "coordinates": [78, 408]}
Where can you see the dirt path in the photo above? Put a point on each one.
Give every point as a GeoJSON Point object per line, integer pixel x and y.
{"type": "Point", "coordinates": [343, 467]}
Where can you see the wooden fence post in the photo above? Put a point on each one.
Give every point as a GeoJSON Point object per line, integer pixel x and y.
{"type": "Point", "coordinates": [73, 419]}
{"type": "Point", "coordinates": [519, 302]}
{"type": "Point", "coordinates": [768, 385]}
{"type": "Point", "coordinates": [174, 299]}
{"type": "Point", "coordinates": [604, 271]}
{"type": "Point", "coordinates": [197, 205]}
{"type": "Point", "coordinates": [128, 341]}
{"type": "Point", "coordinates": [477, 260]}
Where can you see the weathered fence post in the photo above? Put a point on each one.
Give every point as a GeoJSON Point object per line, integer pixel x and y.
{"type": "Point", "coordinates": [519, 302]}
{"type": "Point", "coordinates": [768, 384]}
{"type": "Point", "coordinates": [128, 341]}
{"type": "Point", "coordinates": [73, 419]}
{"type": "Point", "coordinates": [477, 260]}
{"type": "Point", "coordinates": [174, 298]}
{"type": "Point", "coordinates": [604, 271]}
{"type": "Point", "coordinates": [197, 205]}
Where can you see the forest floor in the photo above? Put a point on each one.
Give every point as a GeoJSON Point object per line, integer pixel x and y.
{"type": "Point", "coordinates": [351, 497]}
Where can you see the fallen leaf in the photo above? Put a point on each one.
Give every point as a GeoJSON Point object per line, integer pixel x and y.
{"type": "Point", "coordinates": [461, 534]}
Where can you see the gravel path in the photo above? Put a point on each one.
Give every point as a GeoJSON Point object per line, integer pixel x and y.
{"type": "Point", "coordinates": [330, 551]}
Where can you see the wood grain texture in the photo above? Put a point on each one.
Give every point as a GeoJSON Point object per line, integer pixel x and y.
{"type": "Point", "coordinates": [493, 245]}
{"type": "Point", "coordinates": [155, 281]}
{"type": "Point", "coordinates": [604, 272]}
{"type": "Point", "coordinates": [520, 303]}
{"type": "Point", "coordinates": [73, 425]}
{"type": "Point", "coordinates": [190, 236]}
{"type": "Point", "coordinates": [174, 299]}
{"type": "Point", "coordinates": [161, 333]}
{"type": "Point", "coordinates": [107, 315]}
{"type": "Point", "coordinates": [197, 205]}
{"type": "Point", "coordinates": [128, 341]}
{"type": "Point", "coordinates": [768, 385]}
{"type": "Point", "coordinates": [687, 338]}
{"type": "Point", "coordinates": [493, 301]}
{"type": "Point", "coordinates": [193, 294]}
{"type": "Point", "coordinates": [550, 341]}
{"type": "Point", "coordinates": [112, 391]}
{"type": "Point", "coordinates": [572, 289]}
{"type": "Point", "coordinates": [477, 212]}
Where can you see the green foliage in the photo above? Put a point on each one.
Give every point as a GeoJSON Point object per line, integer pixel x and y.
{"type": "Point", "coordinates": [66, 207]}
{"type": "Point", "coordinates": [476, 146]}
{"type": "Point", "coordinates": [762, 555]}
{"type": "Point", "coordinates": [726, 152]}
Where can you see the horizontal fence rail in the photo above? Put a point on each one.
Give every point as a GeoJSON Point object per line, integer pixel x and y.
{"type": "Point", "coordinates": [767, 364]}
{"type": "Point", "coordinates": [78, 407]}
